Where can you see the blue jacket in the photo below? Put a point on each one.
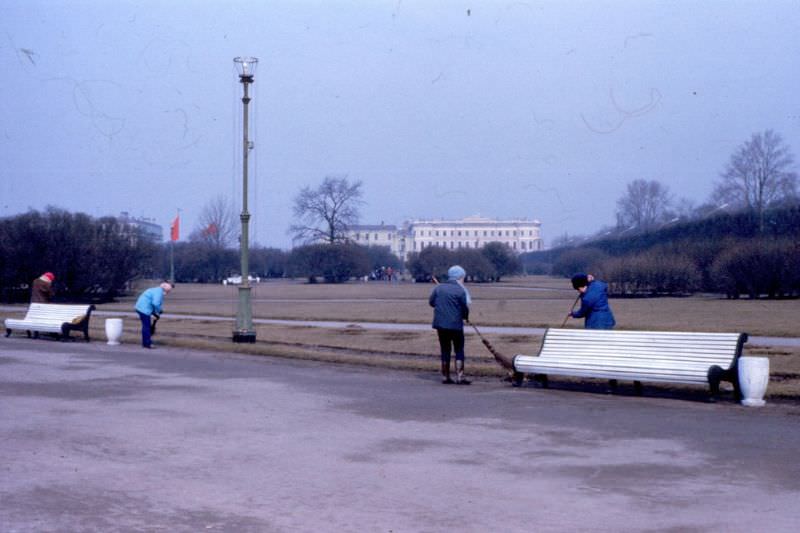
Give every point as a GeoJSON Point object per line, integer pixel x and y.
{"type": "Point", "coordinates": [450, 308]}
{"type": "Point", "coordinates": [150, 301]}
{"type": "Point", "coordinates": [594, 306]}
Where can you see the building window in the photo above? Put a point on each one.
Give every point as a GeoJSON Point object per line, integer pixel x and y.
{"type": "Point", "coordinates": [452, 245]}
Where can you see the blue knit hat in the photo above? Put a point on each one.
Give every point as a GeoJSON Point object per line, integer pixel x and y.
{"type": "Point", "coordinates": [456, 272]}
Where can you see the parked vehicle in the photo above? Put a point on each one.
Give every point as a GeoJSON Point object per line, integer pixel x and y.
{"type": "Point", "coordinates": [237, 279]}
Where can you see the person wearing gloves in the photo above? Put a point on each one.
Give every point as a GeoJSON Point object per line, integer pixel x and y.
{"type": "Point", "coordinates": [150, 302]}
{"type": "Point", "coordinates": [42, 288]}
{"type": "Point", "coordinates": [450, 301]}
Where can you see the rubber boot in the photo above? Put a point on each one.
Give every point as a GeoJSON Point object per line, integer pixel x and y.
{"type": "Point", "coordinates": [460, 379]}
{"type": "Point", "coordinates": [446, 373]}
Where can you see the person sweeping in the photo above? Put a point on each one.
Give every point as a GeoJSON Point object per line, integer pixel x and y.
{"type": "Point", "coordinates": [594, 307]}
{"type": "Point", "coordinates": [150, 302]}
{"type": "Point", "coordinates": [450, 302]}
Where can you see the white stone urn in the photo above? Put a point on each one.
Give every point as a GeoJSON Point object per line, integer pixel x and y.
{"type": "Point", "coordinates": [753, 379]}
{"type": "Point", "coordinates": [113, 330]}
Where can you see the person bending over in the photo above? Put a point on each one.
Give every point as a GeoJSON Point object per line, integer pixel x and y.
{"type": "Point", "coordinates": [594, 307]}
{"type": "Point", "coordinates": [150, 302]}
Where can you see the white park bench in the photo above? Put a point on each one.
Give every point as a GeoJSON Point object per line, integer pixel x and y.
{"type": "Point", "coordinates": [58, 319]}
{"type": "Point", "coordinates": [654, 356]}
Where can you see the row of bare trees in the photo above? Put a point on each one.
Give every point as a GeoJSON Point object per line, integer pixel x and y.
{"type": "Point", "coordinates": [753, 267]}
{"type": "Point", "coordinates": [759, 175]}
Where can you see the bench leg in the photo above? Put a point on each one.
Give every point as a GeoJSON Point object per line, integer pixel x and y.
{"type": "Point", "coordinates": [8, 332]}
{"type": "Point", "coordinates": [612, 386]}
{"type": "Point", "coordinates": [715, 375]}
{"type": "Point", "coordinates": [516, 379]}
{"type": "Point", "coordinates": [637, 388]}
{"type": "Point", "coordinates": [35, 334]}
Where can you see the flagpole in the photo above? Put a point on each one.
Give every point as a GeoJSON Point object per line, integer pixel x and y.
{"type": "Point", "coordinates": [173, 236]}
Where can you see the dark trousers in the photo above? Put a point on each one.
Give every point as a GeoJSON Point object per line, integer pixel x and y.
{"type": "Point", "coordinates": [145, 329]}
{"type": "Point", "coordinates": [451, 338]}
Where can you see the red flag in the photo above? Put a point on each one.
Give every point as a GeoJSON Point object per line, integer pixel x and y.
{"type": "Point", "coordinates": [175, 228]}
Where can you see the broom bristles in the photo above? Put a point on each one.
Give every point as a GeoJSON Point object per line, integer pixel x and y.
{"type": "Point", "coordinates": [504, 361]}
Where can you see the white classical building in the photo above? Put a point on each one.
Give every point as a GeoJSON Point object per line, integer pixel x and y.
{"type": "Point", "coordinates": [521, 235]}
{"type": "Point", "coordinates": [379, 235]}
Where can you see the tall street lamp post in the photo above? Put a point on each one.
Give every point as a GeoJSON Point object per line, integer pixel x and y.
{"type": "Point", "coordinates": [244, 331]}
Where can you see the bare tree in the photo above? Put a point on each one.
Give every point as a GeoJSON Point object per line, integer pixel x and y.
{"type": "Point", "coordinates": [325, 213]}
{"type": "Point", "coordinates": [216, 225]}
{"type": "Point", "coordinates": [645, 204]}
{"type": "Point", "coordinates": [758, 174]}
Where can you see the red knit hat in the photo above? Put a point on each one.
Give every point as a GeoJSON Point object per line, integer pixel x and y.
{"type": "Point", "coordinates": [49, 275]}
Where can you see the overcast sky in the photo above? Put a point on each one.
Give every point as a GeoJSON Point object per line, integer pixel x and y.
{"type": "Point", "coordinates": [444, 109]}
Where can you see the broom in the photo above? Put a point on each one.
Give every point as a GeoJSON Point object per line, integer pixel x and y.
{"type": "Point", "coordinates": [504, 361]}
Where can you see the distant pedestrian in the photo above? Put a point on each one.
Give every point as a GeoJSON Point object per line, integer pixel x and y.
{"type": "Point", "coordinates": [594, 307]}
{"type": "Point", "coordinates": [150, 303]}
{"type": "Point", "coordinates": [450, 302]}
{"type": "Point", "coordinates": [42, 288]}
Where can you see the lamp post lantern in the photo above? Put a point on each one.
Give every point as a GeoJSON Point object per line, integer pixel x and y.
{"type": "Point", "coordinates": [244, 331]}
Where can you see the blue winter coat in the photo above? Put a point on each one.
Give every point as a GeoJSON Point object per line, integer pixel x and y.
{"type": "Point", "coordinates": [150, 301]}
{"type": "Point", "coordinates": [595, 308]}
{"type": "Point", "coordinates": [450, 308]}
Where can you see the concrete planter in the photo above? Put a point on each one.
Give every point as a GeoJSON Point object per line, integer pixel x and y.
{"type": "Point", "coordinates": [753, 380]}
{"type": "Point", "coordinates": [113, 330]}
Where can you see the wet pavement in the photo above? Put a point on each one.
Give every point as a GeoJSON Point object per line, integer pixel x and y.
{"type": "Point", "coordinates": [101, 438]}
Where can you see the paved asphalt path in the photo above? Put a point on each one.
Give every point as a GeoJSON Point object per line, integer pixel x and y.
{"type": "Point", "coordinates": [100, 438]}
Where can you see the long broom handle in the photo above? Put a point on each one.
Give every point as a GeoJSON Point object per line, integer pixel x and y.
{"type": "Point", "coordinates": [570, 311]}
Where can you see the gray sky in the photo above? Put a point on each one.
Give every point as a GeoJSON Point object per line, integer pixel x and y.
{"type": "Point", "coordinates": [444, 109]}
